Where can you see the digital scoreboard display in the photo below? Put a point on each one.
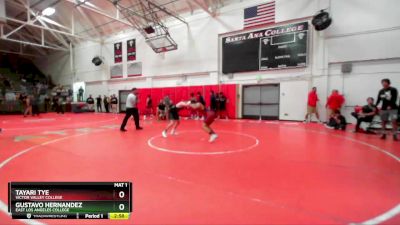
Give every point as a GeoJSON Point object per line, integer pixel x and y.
{"type": "Point", "coordinates": [70, 200]}
{"type": "Point", "coordinates": [272, 48]}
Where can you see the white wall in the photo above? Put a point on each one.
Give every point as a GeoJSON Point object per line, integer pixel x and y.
{"type": "Point", "coordinates": [364, 32]}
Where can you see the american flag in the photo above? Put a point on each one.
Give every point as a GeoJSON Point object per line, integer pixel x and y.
{"type": "Point", "coordinates": [259, 15]}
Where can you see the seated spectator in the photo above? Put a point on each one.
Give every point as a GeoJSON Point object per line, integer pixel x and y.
{"type": "Point", "coordinates": [90, 102]}
{"type": "Point", "coordinates": [161, 111]}
{"type": "Point", "coordinates": [365, 114]}
{"type": "Point", "coordinates": [336, 121]}
{"type": "Point", "coordinates": [335, 102]}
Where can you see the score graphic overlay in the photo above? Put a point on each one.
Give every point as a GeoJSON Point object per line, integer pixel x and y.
{"type": "Point", "coordinates": [70, 200]}
{"type": "Point", "coordinates": [272, 48]}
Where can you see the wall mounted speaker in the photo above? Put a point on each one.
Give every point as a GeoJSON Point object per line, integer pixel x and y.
{"type": "Point", "coordinates": [149, 30]}
{"type": "Point", "coordinates": [347, 67]}
{"type": "Point", "coordinates": [321, 21]}
{"type": "Point", "coordinates": [97, 61]}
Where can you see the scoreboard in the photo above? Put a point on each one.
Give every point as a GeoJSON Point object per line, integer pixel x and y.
{"type": "Point", "coordinates": [272, 48]}
{"type": "Point", "coordinates": [70, 200]}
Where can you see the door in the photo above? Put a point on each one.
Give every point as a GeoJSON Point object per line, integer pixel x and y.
{"type": "Point", "coordinates": [261, 102]}
{"type": "Point", "coordinates": [294, 100]}
{"type": "Point", "coordinates": [122, 95]}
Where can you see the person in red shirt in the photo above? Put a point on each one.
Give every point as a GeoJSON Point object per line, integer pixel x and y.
{"type": "Point", "coordinates": [334, 103]}
{"type": "Point", "coordinates": [312, 105]}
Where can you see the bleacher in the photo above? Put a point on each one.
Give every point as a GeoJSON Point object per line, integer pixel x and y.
{"type": "Point", "coordinates": [13, 83]}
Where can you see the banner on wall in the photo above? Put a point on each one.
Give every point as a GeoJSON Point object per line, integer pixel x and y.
{"type": "Point", "coordinates": [116, 71]}
{"type": "Point", "coordinates": [131, 49]}
{"type": "Point", "coordinates": [118, 52]}
{"type": "Point", "coordinates": [134, 69]}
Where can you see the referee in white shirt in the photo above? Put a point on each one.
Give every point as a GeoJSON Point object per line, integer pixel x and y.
{"type": "Point", "coordinates": [131, 110]}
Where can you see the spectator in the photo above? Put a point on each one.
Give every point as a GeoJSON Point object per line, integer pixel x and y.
{"type": "Point", "coordinates": [106, 102]}
{"type": "Point", "coordinates": [222, 106]}
{"type": "Point", "coordinates": [68, 104]}
{"type": "Point", "coordinates": [193, 112]}
{"type": "Point", "coordinates": [98, 104]}
{"type": "Point", "coordinates": [22, 100]}
{"type": "Point", "coordinates": [59, 105]}
{"type": "Point", "coordinates": [6, 83]}
{"type": "Point", "coordinates": [200, 99]}
{"type": "Point", "coordinates": [149, 107]}
{"type": "Point", "coordinates": [90, 102]}
{"type": "Point", "coordinates": [35, 105]}
{"type": "Point", "coordinates": [389, 111]}
{"type": "Point", "coordinates": [59, 90]}
{"type": "Point", "coordinates": [80, 94]}
{"type": "Point", "coordinates": [46, 103]}
{"type": "Point", "coordinates": [334, 103]}
{"type": "Point", "coordinates": [160, 114]}
{"type": "Point", "coordinates": [114, 104]}
{"type": "Point", "coordinates": [10, 101]}
{"type": "Point", "coordinates": [167, 102]}
{"type": "Point", "coordinates": [365, 114]}
{"type": "Point", "coordinates": [217, 101]}
{"type": "Point", "coordinates": [312, 105]}
{"type": "Point", "coordinates": [213, 101]}
{"type": "Point", "coordinates": [28, 106]}
{"type": "Point", "coordinates": [336, 121]}
{"type": "Point", "coordinates": [55, 103]}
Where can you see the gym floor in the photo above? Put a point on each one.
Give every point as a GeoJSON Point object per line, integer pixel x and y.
{"type": "Point", "coordinates": [257, 172]}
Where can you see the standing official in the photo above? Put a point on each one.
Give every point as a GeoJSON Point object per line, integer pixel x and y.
{"type": "Point", "coordinates": [131, 110]}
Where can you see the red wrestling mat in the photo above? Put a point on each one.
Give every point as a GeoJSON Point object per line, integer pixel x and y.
{"type": "Point", "coordinates": [255, 172]}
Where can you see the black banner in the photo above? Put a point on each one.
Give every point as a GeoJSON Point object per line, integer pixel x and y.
{"type": "Point", "coordinates": [272, 48]}
{"type": "Point", "coordinates": [131, 49]}
{"type": "Point", "coordinates": [118, 52]}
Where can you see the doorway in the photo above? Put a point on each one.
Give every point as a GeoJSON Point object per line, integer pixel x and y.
{"type": "Point", "coordinates": [261, 102]}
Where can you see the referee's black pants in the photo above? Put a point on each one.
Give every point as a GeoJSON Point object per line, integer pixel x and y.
{"type": "Point", "coordinates": [131, 112]}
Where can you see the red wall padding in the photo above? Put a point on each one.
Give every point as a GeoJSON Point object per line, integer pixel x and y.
{"type": "Point", "coordinates": [178, 94]}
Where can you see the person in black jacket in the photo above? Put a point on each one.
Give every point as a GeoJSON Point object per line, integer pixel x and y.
{"type": "Point", "coordinates": [389, 111]}
{"type": "Point", "coordinates": [98, 103]}
{"type": "Point", "coordinates": [222, 106]}
{"type": "Point", "coordinates": [366, 113]}
{"type": "Point", "coordinates": [213, 101]}
{"type": "Point", "coordinates": [200, 99]}
{"type": "Point", "coordinates": [336, 121]}
{"type": "Point", "coordinates": [106, 102]}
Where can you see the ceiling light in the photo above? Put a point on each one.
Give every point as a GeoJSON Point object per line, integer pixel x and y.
{"type": "Point", "coordinates": [48, 11]}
